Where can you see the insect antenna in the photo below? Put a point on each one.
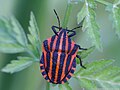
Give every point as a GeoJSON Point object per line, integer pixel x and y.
{"type": "Point", "coordinates": [57, 18]}
{"type": "Point", "coordinates": [80, 24]}
{"type": "Point", "coordinates": [76, 28]}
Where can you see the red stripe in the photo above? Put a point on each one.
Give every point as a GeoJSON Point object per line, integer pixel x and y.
{"type": "Point", "coordinates": [54, 44]}
{"type": "Point", "coordinates": [41, 64]}
{"type": "Point", "coordinates": [73, 56]}
{"type": "Point", "coordinates": [66, 48]}
{"type": "Point", "coordinates": [45, 62]}
{"type": "Point", "coordinates": [50, 70]}
{"type": "Point", "coordinates": [51, 57]}
{"type": "Point", "coordinates": [49, 40]}
{"type": "Point", "coordinates": [58, 60]}
{"type": "Point", "coordinates": [42, 70]}
{"type": "Point", "coordinates": [64, 65]}
{"type": "Point", "coordinates": [45, 76]}
{"type": "Point", "coordinates": [71, 61]}
{"type": "Point", "coordinates": [72, 46]}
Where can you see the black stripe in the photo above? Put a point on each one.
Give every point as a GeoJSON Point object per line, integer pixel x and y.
{"type": "Point", "coordinates": [51, 42]}
{"type": "Point", "coordinates": [69, 44]}
{"type": "Point", "coordinates": [54, 62]}
{"type": "Point", "coordinates": [41, 67]}
{"type": "Point", "coordinates": [46, 78]}
{"type": "Point", "coordinates": [64, 80]}
{"type": "Point", "coordinates": [71, 70]}
{"type": "Point", "coordinates": [62, 58]}
{"type": "Point", "coordinates": [67, 64]}
{"type": "Point", "coordinates": [74, 50]}
{"type": "Point", "coordinates": [74, 63]}
{"type": "Point", "coordinates": [42, 59]}
{"type": "Point", "coordinates": [68, 76]}
{"type": "Point", "coordinates": [48, 62]}
{"type": "Point", "coordinates": [43, 73]}
{"type": "Point", "coordinates": [45, 43]}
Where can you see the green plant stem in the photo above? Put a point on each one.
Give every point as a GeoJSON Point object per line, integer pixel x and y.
{"type": "Point", "coordinates": [47, 85]}
{"type": "Point", "coordinates": [103, 2]}
{"type": "Point", "coordinates": [67, 15]}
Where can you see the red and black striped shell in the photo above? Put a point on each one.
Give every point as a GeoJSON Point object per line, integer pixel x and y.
{"type": "Point", "coordinates": [58, 62]}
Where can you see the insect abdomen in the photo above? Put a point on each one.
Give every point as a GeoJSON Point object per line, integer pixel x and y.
{"type": "Point", "coordinates": [61, 65]}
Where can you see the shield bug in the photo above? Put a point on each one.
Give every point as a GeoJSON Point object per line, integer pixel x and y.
{"type": "Point", "coordinates": [59, 52]}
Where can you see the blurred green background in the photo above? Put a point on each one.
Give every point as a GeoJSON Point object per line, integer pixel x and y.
{"type": "Point", "coordinates": [30, 78]}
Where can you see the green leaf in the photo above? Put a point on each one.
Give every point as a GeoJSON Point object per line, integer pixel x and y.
{"type": "Point", "coordinates": [99, 74]}
{"type": "Point", "coordinates": [18, 65]}
{"type": "Point", "coordinates": [115, 17]}
{"type": "Point", "coordinates": [117, 2]}
{"type": "Point", "coordinates": [92, 3]}
{"type": "Point", "coordinates": [81, 15]}
{"type": "Point", "coordinates": [92, 27]}
{"type": "Point", "coordinates": [65, 86]}
{"type": "Point", "coordinates": [18, 31]}
{"type": "Point", "coordinates": [12, 36]}
{"type": "Point", "coordinates": [34, 36]}
{"type": "Point", "coordinates": [90, 24]}
{"type": "Point", "coordinates": [11, 48]}
{"type": "Point", "coordinates": [84, 53]}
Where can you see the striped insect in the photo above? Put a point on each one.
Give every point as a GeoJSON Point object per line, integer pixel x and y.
{"type": "Point", "coordinates": [58, 61]}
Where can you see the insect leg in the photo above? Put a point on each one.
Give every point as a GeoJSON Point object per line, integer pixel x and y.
{"type": "Point", "coordinates": [54, 30]}
{"type": "Point", "coordinates": [82, 48]}
{"type": "Point", "coordinates": [80, 61]}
